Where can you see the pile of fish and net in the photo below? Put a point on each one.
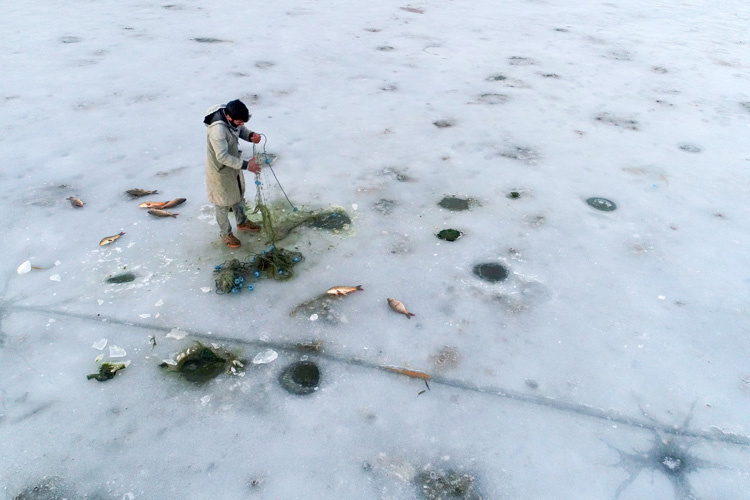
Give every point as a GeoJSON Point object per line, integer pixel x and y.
{"type": "Point", "coordinates": [277, 224]}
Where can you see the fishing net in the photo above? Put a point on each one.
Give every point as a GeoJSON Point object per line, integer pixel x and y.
{"type": "Point", "coordinates": [234, 275]}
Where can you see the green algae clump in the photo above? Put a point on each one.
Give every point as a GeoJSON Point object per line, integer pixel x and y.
{"type": "Point", "coordinates": [201, 363]}
{"type": "Point", "coordinates": [107, 371]}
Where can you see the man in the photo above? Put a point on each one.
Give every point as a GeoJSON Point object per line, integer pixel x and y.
{"type": "Point", "coordinates": [225, 180]}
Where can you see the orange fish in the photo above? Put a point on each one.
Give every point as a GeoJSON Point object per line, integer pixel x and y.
{"type": "Point", "coordinates": [410, 373]}
{"type": "Point", "coordinates": [173, 203]}
{"type": "Point", "coordinates": [75, 202]}
{"type": "Point", "coordinates": [152, 204]}
{"type": "Point", "coordinates": [399, 308]}
{"type": "Point", "coordinates": [110, 239]}
{"type": "Point", "coordinates": [343, 290]}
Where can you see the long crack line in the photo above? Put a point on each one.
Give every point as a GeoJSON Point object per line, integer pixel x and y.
{"type": "Point", "coordinates": [545, 401]}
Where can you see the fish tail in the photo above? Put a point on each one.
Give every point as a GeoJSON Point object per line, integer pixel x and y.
{"type": "Point", "coordinates": [175, 215]}
{"type": "Point", "coordinates": [359, 287]}
{"type": "Point", "coordinates": [409, 315]}
{"type": "Point", "coordinates": [122, 232]}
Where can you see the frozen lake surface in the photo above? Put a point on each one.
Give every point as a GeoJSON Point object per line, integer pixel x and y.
{"type": "Point", "coordinates": [610, 363]}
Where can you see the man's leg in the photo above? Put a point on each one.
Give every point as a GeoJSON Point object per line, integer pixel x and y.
{"type": "Point", "coordinates": [242, 223]}
{"type": "Point", "coordinates": [239, 212]}
{"type": "Point", "coordinates": [222, 217]}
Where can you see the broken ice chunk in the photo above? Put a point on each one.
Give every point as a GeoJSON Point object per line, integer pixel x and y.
{"type": "Point", "coordinates": [205, 400]}
{"type": "Point", "coordinates": [265, 357]}
{"type": "Point", "coordinates": [100, 344]}
{"type": "Point", "coordinates": [116, 352]}
{"type": "Point", "coordinates": [24, 268]}
{"type": "Point", "coordinates": [159, 303]}
{"type": "Point", "coordinates": [55, 277]}
{"type": "Point", "coordinates": [205, 289]}
{"type": "Point", "coordinates": [313, 317]}
{"type": "Point", "coordinates": [176, 334]}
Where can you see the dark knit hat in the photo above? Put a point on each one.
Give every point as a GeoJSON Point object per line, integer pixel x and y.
{"type": "Point", "coordinates": [237, 110]}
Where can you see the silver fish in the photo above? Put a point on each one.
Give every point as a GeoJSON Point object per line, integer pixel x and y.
{"type": "Point", "coordinates": [162, 213]}
{"type": "Point", "coordinates": [135, 193]}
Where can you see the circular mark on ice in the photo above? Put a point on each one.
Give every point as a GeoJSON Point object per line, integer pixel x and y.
{"type": "Point", "coordinates": [454, 204]}
{"type": "Point", "coordinates": [491, 271]}
{"type": "Point", "coordinates": [449, 234]}
{"type": "Point", "coordinates": [300, 378]}
{"type": "Point", "coordinates": [602, 204]}
{"type": "Point", "coordinates": [690, 148]}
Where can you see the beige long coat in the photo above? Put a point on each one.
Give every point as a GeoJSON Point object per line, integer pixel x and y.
{"type": "Point", "coordinates": [225, 179]}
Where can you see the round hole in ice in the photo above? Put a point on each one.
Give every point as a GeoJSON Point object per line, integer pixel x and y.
{"type": "Point", "coordinates": [602, 204]}
{"type": "Point", "coordinates": [300, 378]}
{"type": "Point", "coordinates": [491, 271]}
{"type": "Point", "coordinates": [449, 234]}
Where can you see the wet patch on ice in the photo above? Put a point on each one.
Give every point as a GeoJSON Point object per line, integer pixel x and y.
{"type": "Point", "coordinates": [617, 121]}
{"type": "Point", "coordinates": [521, 61]}
{"type": "Point", "coordinates": [333, 221]}
{"type": "Point", "coordinates": [443, 481]}
{"type": "Point", "coordinates": [443, 123]}
{"type": "Point", "coordinates": [300, 378]}
{"type": "Point", "coordinates": [521, 153]}
{"type": "Point", "coordinates": [492, 99]}
{"type": "Point", "coordinates": [618, 55]}
{"type": "Point", "coordinates": [446, 358]}
{"type": "Point", "coordinates": [265, 64]}
{"type": "Point", "coordinates": [201, 39]}
{"type": "Point", "coordinates": [399, 174]}
{"type": "Point", "coordinates": [456, 204]}
{"type": "Point", "coordinates": [70, 39]}
{"type": "Point", "coordinates": [384, 206]}
{"type": "Point", "coordinates": [497, 77]}
{"type": "Point", "coordinates": [690, 148]}
{"type": "Point", "coordinates": [385, 48]}
{"type": "Point", "coordinates": [49, 488]}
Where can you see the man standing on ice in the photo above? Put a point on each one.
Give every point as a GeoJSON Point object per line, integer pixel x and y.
{"type": "Point", "coordinates": [225, 180]}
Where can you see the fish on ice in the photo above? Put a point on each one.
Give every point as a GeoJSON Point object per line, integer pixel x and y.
{"type": "Point", "coordinates": [136, 193]}
{"type": "Point", "coordinates": [173, 203]}
{"type": "Point", "coordinates": [399, 308]}
{"type": "Point", "coordinates": [75, 202]}
{"type": "Point", "coordinates": [343, 290]}
{"type": "Point", "coordinates": [162, 213]}
{"type": "Point", "coordinates": [110, 239]}
{"type": "Point", "coordinates": [152, 204]}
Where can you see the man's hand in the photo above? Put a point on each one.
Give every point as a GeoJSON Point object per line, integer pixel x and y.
{"type": "Point", "coordinates": [253, 167]}
{"type": "Point", "coordinates": [255, 138]}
